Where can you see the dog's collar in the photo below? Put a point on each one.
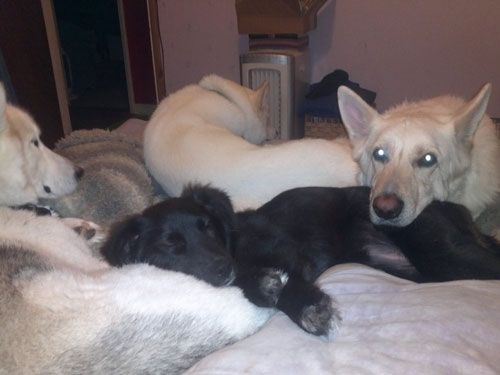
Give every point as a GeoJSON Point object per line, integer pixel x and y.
{"type": "Point", "coordinates": [39, 210]}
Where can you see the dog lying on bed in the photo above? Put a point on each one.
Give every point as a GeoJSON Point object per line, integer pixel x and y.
{"type": "Point", "coordinates": [63, 311]}
{"type": "Point", "coordinates": [441, 148]}
{"type": "Point", "coordinates": [28, 169]}
{"type": "Point", "coordinates": [211, 133]}
{"type": "Point", "coordinates": [275, 253]}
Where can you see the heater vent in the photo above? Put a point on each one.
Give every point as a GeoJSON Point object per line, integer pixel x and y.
{"type": "Point", "coordinates": [256, 78]}
{"type": "Point", "coordinates": [287, 75]}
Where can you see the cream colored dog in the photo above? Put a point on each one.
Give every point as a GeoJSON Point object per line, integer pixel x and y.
{"type": "Point", "coordinates": [28, 169]}
{"type": "Point", "coordinates": [211, 133]}
{"type": "Point", "coordinates": [442, 148]}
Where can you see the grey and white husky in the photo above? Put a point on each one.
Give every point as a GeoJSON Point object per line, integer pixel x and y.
{"type": "Point", "coordinates": [442, 148]}
{"type": "Point", "coordinates": [64, 311]}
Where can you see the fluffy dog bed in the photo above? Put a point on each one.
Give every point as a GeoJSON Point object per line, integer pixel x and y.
{"type": "Point", "coordinates": [116, 182]}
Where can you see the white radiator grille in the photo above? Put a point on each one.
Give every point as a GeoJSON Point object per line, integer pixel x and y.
{"type": "Point", "coordinates": [286, 73]}
{"type": "Point", "coordinates": [256, 78]}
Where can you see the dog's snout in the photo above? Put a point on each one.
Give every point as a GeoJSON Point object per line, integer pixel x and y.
{"type": "Point", "coordinates": [388, 206]}
{"type": "Point", "coordinates": [224, 269]}
{"type": "Point", "coordinates": [79, 171]}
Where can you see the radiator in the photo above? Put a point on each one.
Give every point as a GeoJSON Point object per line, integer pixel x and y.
{"type": "Point", "coordinates": [287, 73]}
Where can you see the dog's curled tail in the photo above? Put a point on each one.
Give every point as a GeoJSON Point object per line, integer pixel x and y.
{"type": "Point", "coordinates": [239, 95]}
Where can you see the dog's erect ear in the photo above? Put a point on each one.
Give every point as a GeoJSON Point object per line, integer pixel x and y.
{"type": "Point", "coordinates": [470, 115]}
{"type": "Point", "coordinates": [218, 205]}
{"type": "Point", "coordinates": [357, 115]}
{"type": "Point", "coordinates": [259, 97]}
{"type": "Point", "coordinates": [124, 241]}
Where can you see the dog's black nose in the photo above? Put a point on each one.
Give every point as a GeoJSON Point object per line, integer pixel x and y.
{"type": "Point", "coordinates": [79, 172]}
{"type": "Point", "coordinates": [222, 272]}
{"type": "Point", "coordinates": [224, 269]}
{"type": "Point", "coordinates": [388, 206]}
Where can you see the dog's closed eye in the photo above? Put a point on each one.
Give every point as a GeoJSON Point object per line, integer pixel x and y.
{"type": "Point", "coordinates": [174, 243]}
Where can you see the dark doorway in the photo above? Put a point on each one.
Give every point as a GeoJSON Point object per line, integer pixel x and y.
{"type": "Point", "coordinates": [92, 54]}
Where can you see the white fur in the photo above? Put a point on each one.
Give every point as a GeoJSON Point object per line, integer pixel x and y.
{"type": "Point", "coordinates": [26, 169]}
{"type": "Point", "coordinates": [459, 133]}
{"type": "Point", "coordinates": [79, 313]}
{"type": "Point", "coordinates": [211, 133]}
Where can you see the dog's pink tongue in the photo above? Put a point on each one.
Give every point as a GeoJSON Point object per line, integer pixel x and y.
{"type": "Point", "coordinates": [387, 206]}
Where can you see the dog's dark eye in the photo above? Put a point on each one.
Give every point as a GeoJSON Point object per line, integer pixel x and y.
{"type": "Point", "coordinates": [35, 142]}
{"type": "Point", "coordinates": [204, 225]}
{"type": "Point", "coordinates": [428, 160]}
{"type": "Point", "coordinates": [379, 154]}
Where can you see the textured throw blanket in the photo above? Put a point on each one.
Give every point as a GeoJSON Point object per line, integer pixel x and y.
{"type": "Point", "coordinates": [116, 182]}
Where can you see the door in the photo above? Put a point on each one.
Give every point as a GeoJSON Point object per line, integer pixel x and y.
{"type": "Point", "coordinates": [28, 63]}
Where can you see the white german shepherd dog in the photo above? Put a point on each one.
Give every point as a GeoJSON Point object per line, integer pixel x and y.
{"type": "Point", "coordinates": [211, 133]}
{"type": "Point", "coordinates": [442, 148]}
{"type": "Point", "coordinates": [28, 169]}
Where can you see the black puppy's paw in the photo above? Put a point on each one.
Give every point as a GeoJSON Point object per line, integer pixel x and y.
{"type": "Point", "coordinates": [321, 318]}
{"type": "Point", "coordinates": [271, 283]}
{"type": "Point", "coordinates": [262, 286]}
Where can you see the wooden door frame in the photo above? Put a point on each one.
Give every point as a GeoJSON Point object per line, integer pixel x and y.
{"type": "Point", "coordinates": [156, 55]}
{"type": "Point", "coordinates": [59, 72]}
{"type": "Point", "coordinates": [157, 49]}
{"type": "Point", "coordinates": [57, 64]}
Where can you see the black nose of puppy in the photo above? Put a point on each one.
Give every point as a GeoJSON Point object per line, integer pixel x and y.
{"type": "Point", "coordinates": [224, 269]}
{"type": "Point", "coordinates": [388, 206]}
{"type": "Point", "coordinates": [223, 272]}
{"type": "Point", "coordinates": [79, 172]}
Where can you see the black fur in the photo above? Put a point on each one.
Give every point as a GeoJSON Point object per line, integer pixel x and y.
{"type": "Point", "coordinates": [328, 226]}
{"type": "Point", "coordinates": [180, 235]}
{"type": "Point", "coordinates": [301, 232]}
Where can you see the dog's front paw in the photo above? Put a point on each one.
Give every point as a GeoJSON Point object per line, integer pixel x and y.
{"type": "Point", "coordinates": [321, 318]}
{"type": "Point", "coordinates": [262, 286]}
{"type": "Point", "coordinates": [91, 232]}
{"type": "Point", "coordinates": [271, 283]}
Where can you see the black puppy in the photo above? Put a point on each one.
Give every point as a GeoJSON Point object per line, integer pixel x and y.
{"type": "Point", "coordinates": [280, 249]}
{"type": "Point", "coordinates": [188, 235]}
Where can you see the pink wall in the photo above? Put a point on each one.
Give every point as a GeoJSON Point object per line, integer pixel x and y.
{"type": "Point", "coordinates": [401, 49]}
{"type": "Point", "coordinates": [411, 49]}
{"type": "Point", "coordinates": [199, 37]}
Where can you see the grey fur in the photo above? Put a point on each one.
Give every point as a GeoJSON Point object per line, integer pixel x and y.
{"type": "Point", "coordinates": [62, 311]}
{"type": "Point", "coordinates": [116, 182]}
{"type": "Point", "coordinates": [489, 220]}
{"type": "Point", "coordinates": [122, 350]}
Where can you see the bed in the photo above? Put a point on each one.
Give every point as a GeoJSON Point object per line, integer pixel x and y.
{"type": "Point", "coordinates": [390, 326]}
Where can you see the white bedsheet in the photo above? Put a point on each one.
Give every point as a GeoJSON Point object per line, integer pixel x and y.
{"type": "Point", "coordinates": [390, 326]}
